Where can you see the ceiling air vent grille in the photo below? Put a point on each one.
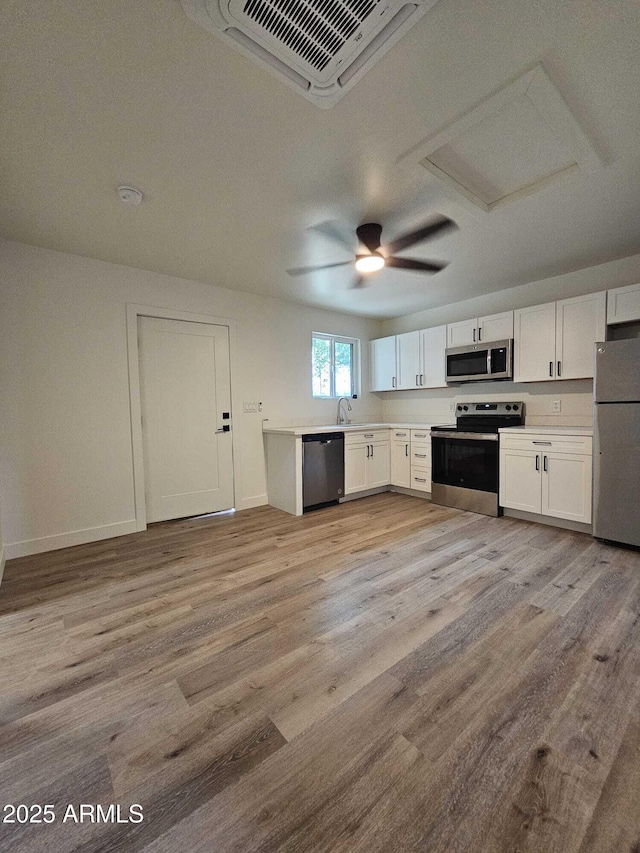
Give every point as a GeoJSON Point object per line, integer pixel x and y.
{"type": "Point", "coordinates": [321, 48]}
{"type": "Point", "coordinates": [316, 30]}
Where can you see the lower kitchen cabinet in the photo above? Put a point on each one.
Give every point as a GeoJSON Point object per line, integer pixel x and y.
{"type": "Point", "coordinates": [366, 466]}
{"type": "Point", "coordinates": [401, 463]}
{"type": "Point", "coordinates": [546, 481]}
{"type": "Point", "coordinates": [566, 486]}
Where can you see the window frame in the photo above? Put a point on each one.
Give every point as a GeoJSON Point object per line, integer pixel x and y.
{"type": "Point", "coordinates": [355, 365]}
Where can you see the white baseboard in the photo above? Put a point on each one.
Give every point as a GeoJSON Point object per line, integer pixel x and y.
{"type": "Point", "coordinates": [250, 503]}
{"type": "Point", "coordinates": [66, 540]}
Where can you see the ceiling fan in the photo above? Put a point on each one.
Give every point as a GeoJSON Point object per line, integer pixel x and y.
{"type": "Point", "coordinates": [378, 256]}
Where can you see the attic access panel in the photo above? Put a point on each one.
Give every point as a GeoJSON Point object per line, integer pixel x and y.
{"type": "Point", "coordinates": [510, 145]}
{"type": "Point", "coordinates": [319, 47]}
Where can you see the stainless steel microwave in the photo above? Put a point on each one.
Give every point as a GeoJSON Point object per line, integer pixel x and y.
{"type": "Point", "coordinates": [480, 362]}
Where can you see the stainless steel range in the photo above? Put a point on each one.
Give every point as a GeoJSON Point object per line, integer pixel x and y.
{"type": "Point", "coordinates": [465, 456]}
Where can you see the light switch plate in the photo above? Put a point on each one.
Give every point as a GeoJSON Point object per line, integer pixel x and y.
{"type": "Point", "coordinates": [556, 407]}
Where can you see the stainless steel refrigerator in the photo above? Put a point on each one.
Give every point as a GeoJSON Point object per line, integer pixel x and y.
{"type": "Point", "coordinates": [616, 482]}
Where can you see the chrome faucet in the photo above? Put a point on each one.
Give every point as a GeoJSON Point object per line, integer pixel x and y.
{"type": "Point", "coordinates": [341, 418]}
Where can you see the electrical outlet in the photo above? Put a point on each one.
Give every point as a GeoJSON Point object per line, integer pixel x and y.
{"type": "Point", "coordinates": [556, 407]}
{"type": "Point", "coordinates": [452, 407]}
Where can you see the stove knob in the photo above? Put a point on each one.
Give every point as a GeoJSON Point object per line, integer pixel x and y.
{"type": "Point", "coordinates": [508, 407]}
{"type": "Point", "coordinates": [466, 408]}
{"type": "Point", "coordinates": [459, 408]}
{"type": "Point", "coordinates": [515, 408]}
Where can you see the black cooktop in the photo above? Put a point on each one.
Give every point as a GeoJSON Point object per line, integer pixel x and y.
{"type": "Point", "coordinates": [485, 417]}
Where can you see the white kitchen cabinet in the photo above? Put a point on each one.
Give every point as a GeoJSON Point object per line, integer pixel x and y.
{"type": "Point", "coordinates": [566, 486]}
{"type": "Point", "coordinates": [623, 305]}
{"type": "Point", "coordinates": [379, 471]}
{"type": "Point", "coordinates": [400, 462]}
{"type": "Point", "coordinates": [494, 327]}
{"type": "Point", "coordinates": [356, 465]}
{"type": "Point", "coordinates": [366, 466]}
{"type": "Point", "coordinates": [383, 364]}
{"type": "Point", "coordinates": [556, 340]}
{"type": "Point", "coordinates": [580, 322]}
{"type": "Point", "coordinates": [462, 333]}
{"type": "Point", "coordinates": [433, 343]}
{"type": "Point", "coordinates": [408, 360]}
{"type": "Point", "coordinates": [520, 486]}
{"type": "Point", "coordinates": [547, 475]}
{"type": "Point", "coordinates": [534, 343]}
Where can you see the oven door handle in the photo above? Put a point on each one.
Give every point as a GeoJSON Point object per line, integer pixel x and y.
{"type": "Point", "coordinates": [474, 436]}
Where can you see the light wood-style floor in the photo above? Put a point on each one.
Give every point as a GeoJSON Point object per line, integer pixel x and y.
{"type": "Point", "coordinates": [385, 675]}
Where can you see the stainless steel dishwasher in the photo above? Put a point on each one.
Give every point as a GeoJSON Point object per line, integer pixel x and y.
{"type": "Point", "coordinates": [322, 469]}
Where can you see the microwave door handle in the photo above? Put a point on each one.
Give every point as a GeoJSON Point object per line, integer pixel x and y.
{"type": "Point", "coordinates": [488, 361]}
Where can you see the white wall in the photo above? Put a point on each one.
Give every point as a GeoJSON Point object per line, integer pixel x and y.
{"type": "Point", "coordinates": [66, 460]}
{"type": "Point", "coordinates": [575, 396]}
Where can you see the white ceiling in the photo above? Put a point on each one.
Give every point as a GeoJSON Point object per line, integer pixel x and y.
{"type": "Point", "coordinates": [235, 166]}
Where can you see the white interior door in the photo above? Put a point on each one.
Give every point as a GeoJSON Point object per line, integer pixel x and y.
{"type": "Point", "coordinates": [185, 389]}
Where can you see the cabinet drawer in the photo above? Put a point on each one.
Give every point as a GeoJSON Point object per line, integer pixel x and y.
{"type": "Point", "coordinates": [367, 437]}
{"type": "Point", "coordinates": [420, 435]}
{"type": "Point", "coordinates": [421, 478]}
{"type": "Point", "coordinates": [549, 443]}
{"type": "Point", "coordinates": [401, 434]}
{"type": "Point", "coordinates": [421, 455]}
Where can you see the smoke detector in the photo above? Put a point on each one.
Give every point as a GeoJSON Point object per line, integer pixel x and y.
{"type": "Point", "coordinates": [320, 48]}
{"type": "Point", "coordinates": [129, 195]}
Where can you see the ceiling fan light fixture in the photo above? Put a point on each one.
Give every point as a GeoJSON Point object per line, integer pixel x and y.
{"type": "Point", "coordinates": [369, 263]}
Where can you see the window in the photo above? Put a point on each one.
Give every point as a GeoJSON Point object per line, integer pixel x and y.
{"type": "Point", "coordinates": [334, 365]}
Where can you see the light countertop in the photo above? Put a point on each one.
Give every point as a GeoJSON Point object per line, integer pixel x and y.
{"type": "Point", "coordinates": [307, 430]}
{"type": "Point", "coordinates": [548, 430]}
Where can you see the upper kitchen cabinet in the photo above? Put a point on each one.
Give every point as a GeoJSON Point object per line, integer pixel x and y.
{"type": "Point", "coordinates": [623, 305]}
{"type": "Point", "coordinates": [534, 343]}
{"type": "Point", "coordinates": [495, 327]}
{"type": "Point", "coordinates": [408, 360]}
{"type": "Point", "coordinates": [580, 322]}
{"type": "Point", "coordinates": [555, 341]}
{"type": "Point", "coordinates": [433, 343]}
{"type": "Point", "coordinates": [463, 333]}
{"type": "Point", "coordinates": [383, 364]}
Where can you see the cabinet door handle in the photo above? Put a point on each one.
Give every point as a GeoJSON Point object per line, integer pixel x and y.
{"type": "Point", "coordinates": [420, 479]}
{"type": "Point", "coordinates": [544, 463]}
{"type": "Point", "coordinates": [406, 450]}
{"type": "Point", "coordinates": [368, 446]}
{"type": "Point", "coordinates": [417, 376]}
{"type": "Point", "coordinates": [537, 462]}
{"type": "Point", "coordinates": [421, 455]}
{"type": "Point", "coordinates": [368, 435]}
{"type": "Point", "coordinates": [474, 336]}
{"type": "Point", "coordinates": [551, 368]}
{"type": "Point", "coordinates": [421, 379]}
{"type": "Point", "coordinates": [479, 334]}
{"type": "Point", "coordinates": [401, 434]}
{"type": "Point", "coordinates": [372, 451]}
{"type": "Point", "coordinates": [558, 368]}
{"type": "Point", "coordinates": [548, 443]}
{"type": "Point", "coordinates": [393, 381]}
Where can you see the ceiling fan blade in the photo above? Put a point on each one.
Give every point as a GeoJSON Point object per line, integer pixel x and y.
{"type": "Point", "coordinates": [417, 266]}
{"type": "Point", "coordinates": [359, 281]}
{"type": "Point", "coordinates": [369, 235]}
{"type": "Point", "coordinates": [434, 228]}
{"type": "Point", "coordinates": [305, 270]}
{"type": "Point", "coordinates": [335, 234]}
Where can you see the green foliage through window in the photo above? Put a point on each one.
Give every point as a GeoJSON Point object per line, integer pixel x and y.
{"type": "Point", "coordinates": [333, 366]}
